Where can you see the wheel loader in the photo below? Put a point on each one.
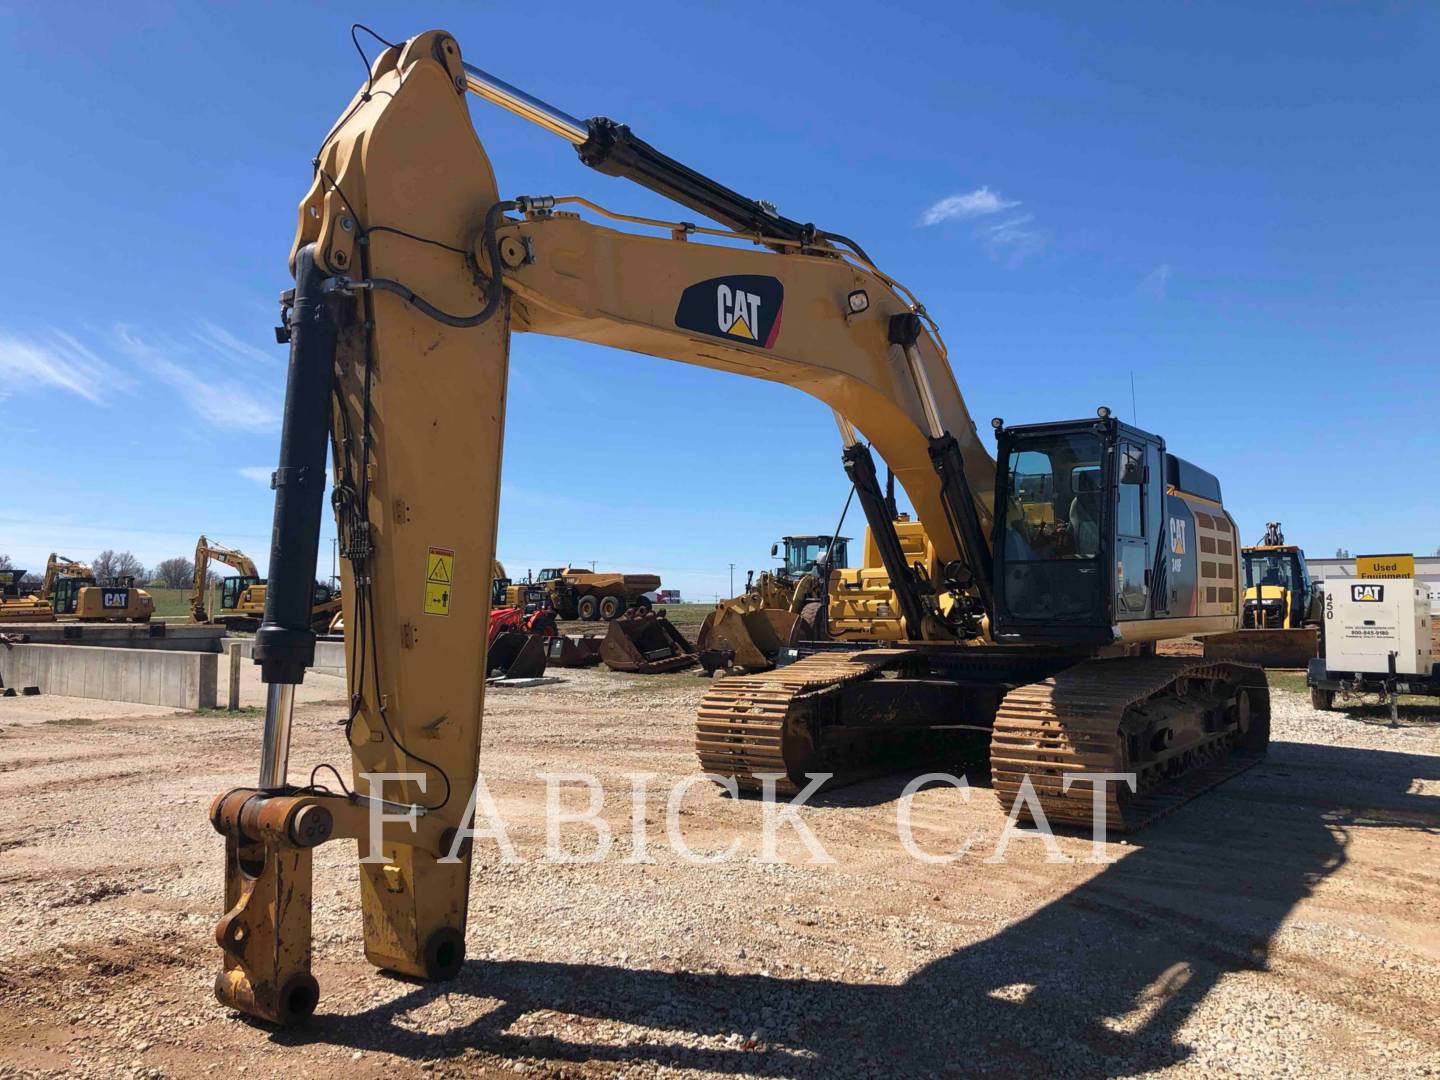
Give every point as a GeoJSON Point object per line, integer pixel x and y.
{"type": "Point", "coordinates": [778, 608]}
{"type": "Point", "coordinates": [1280, 621]}
{"type": "Point", "coordinates": [1058, 564]}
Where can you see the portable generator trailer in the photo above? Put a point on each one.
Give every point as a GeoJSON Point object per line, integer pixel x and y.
{"type": "Point", "coordinates": [1376, 638]}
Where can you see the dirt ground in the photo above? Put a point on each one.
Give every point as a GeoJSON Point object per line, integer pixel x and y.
{"type": "Point", "coordinates": [1282, 925]}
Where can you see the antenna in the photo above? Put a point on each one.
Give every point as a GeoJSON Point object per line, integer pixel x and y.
{"type": "Point", "coordinates": [1134, 415]}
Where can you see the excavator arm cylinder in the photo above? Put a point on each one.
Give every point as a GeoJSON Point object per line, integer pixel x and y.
{"type": "Point", "coordinates": [285, 643]}
{"type": "Point", "coordinates": [860, 467]}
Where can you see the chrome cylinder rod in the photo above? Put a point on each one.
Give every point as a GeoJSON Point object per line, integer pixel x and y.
{"type": "Point", "coordinates": [275, 748]}
{"type": "Point", "coordinates": [925, 390]}
{"type": "Point", "coordinates": [847, 429]}
{"type": "Point", "coordinates": [501, 93]}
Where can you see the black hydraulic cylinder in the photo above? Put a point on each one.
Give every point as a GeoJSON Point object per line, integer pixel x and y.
{"type": "Point", "coordinates": [860, 467]}
{"type": "Point", "coordinates": [959, 503]}
{"type": "Point", "coordinates": [285, 643]}
{"type": "Point", "coordinates": [614, 150]}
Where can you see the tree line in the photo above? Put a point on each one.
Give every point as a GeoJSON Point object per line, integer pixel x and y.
{"type": "Point", "coordinates": [176, 573]}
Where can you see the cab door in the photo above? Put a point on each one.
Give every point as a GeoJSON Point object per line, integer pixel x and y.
{"type": "Point", "coordinates": [1132, 561]}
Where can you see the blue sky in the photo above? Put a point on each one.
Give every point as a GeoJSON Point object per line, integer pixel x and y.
{"type": "Point", "coordinates": [1234, 202]}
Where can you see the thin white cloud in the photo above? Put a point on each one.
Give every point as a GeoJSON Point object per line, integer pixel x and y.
{"type": "Point", "coordinates": [1014, 239]}
{"type": "Point", "coordinates": [226, 345]}
{"type": "Point", "coordinates": [259, 473]}
{"type": "Point", "coordinates": [972, 204]}
{"type": "Point", "coordinates": [58, 362]}
{"type": "Point", "coordinates": [219, 400]}
{"type": "Point", "coordinates": [1156, 283]}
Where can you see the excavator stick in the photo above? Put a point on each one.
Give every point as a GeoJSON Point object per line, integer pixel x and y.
{"type": "Point", "coordinates": [416, 560]}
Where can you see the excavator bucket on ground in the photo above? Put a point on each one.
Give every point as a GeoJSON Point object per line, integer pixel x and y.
{"type": "Point", "coordinates": [645, 643]}
{"type": "Point", "coordinates": [573, 650]}
{"type": "Point", "coordinates": [1267, 648]}
{"type": "Point", "coordinates": [746, 642]}
{"type": "Point", "coordinates": [517, 655]}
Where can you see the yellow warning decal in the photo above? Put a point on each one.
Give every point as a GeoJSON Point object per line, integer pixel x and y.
{"type": "Point", "coordinates": [439, 574]}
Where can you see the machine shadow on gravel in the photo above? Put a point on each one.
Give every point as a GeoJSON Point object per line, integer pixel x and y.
{"type": "Point", "coordinates": [1097, 982]}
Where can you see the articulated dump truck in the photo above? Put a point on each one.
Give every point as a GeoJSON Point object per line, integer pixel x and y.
{"type": "Point", "coordinates": [591, 596]}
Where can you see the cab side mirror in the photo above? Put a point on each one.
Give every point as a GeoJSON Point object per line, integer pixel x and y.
{"type": "Point", "coordinates": [1133, 471]}
{"type": "Point", "coordinates": [774, 550]}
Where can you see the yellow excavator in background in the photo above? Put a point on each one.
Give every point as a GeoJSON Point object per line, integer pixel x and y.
{"type": "Point", "coordinates": [242, 594]}
{"type": "Point", "coordinates": [242, 600]}
{"type": "Point", "coordinates": [71, 589]}
{"type": "Point", "coordinates": [1056, 569]}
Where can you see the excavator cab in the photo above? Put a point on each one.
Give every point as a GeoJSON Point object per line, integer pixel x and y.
{"type": "Point", "coordinates": [1096, 528]}
{"type": "Point", "coordinates": [232, 590]}
{"type": "Point", "coordinates": [66, 596]}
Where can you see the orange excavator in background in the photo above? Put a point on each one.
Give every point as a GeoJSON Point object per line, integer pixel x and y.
{"type": "Point", "coordinates": [1059, 566]}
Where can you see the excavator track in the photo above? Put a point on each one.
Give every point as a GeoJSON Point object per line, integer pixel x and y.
{"type": "Point", "coordinates": [747, 723]}
{"type": "Point", "coordinates": [1076, 722]}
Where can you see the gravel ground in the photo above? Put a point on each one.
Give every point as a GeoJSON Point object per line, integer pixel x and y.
{"type": "Point", "coordinates": [1282, 925]}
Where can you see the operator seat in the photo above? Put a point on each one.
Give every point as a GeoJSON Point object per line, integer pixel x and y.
{"type": "Point", "coordinates": [1085, 513]}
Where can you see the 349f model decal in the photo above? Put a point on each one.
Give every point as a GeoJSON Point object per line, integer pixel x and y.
{"type": "Point", "coordinates": [743, 307]}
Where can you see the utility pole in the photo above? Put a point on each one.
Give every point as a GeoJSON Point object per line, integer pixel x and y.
{"type": "Point", "coordinates": [732, 579]}
{"type": "Point", "coordinates": [592, 566]}
{"type": "Point", "coordinates": [334, 559]}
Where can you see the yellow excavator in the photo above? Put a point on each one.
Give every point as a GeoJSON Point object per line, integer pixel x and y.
{"type": "Point", "coordinates": [71, 588]}
{"type": "Point", "coordinates": [1059, 566]}
{"type": "Point", "coordinates": [242, 594]}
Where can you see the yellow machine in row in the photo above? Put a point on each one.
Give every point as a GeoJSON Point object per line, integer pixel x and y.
{"type": "Point", "coordinates": [16, 605]}
{"type": "Point", "coordinates": [71, 588]}
{"type": "Point", "coordinates": [1054, 570]}
{"type": "Point", "coordinates": [1280, 620]}
{"type": "Point", "coordinates": [779, 608]}
{"type": "Point", "coordinates": [242, 594]}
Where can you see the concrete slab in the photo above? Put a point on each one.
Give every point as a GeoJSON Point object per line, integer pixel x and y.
{"type": "Point", "coordinates": [182, 637]}
{"type": "Point", "coordinates": [329, 655]}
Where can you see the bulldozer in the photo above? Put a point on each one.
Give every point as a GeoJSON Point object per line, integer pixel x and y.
{"type": "Point", "coordinates": [778, 608]}
{"type": "Point", "coordinates": [242, 594]}
{"type": "Point", "coordinates": [1280, 621]}
{"type": "Point", "coordinates": [16, 605]}
{"type": "Point", "coordinates": [72, 589]}
{"type": "Point", "coordinates": [1059, 562]}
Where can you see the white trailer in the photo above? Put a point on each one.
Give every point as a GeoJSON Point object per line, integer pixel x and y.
{"type": "Point", "coordinates": [1375, 638]}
